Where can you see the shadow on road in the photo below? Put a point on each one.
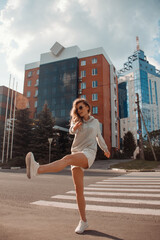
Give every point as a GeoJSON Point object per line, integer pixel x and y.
{"type": "Point", "coordinates": [100, 234]}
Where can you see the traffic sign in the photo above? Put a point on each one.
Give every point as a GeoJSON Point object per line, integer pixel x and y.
{"type": "Point", "coordinates": [139, 131]}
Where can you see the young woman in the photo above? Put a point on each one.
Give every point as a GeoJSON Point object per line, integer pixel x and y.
{"type": "Point", "coordinates": [83, 152]}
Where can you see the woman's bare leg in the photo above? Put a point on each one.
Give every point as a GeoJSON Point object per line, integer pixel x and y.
{"type": "Point", "coordinates": [77, 174]}
{"type": "Point", "coordinates": [77, 159]}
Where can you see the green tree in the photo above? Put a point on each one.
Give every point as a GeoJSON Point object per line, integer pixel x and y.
{"type": "Point", "coordinates": [129, 144]}
{"type": "Point", "coordinates": [22, 134]}
{"type": "Point", "coordinates": [42, 130]}
{"type": "Point", "coordinates": [64, 142]}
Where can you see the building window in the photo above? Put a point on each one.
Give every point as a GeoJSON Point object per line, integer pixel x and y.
{"type": "Point", "coordinates": [94, 84]}
{"type": "Point", "coordinates": [83, 85]}
{"type": "Point", "coordinates": [37, 83]}
{"type": "Point", "coordinates": [94, 71]}
{"type": "Point", "coordinates": [94, 97]}
{"type": "Point", "coordinates": [36, 93]}
{"type": "Point", "coordinates": [28, 93]}
{"type": "Point", "coordinates": [83, 96]}
{"type": "Point", "coordinates": [38, 72]}
{"type": "Point", "coordinates": [35, 104]}
{"type": "Point", "coordinates": [95, 110]}
{"type": "Point", "coordinates": [29, 83]}
{"type": "Point", "coordinates": [83, 73]}
{"type": "Point", "coordinates": [94, 60]}
{"type": "Point", "coordinates": [29, 74]}
{"type": "Point", "coordinates": [83, 63]}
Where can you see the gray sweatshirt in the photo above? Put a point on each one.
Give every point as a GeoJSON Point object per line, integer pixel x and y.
{"type": "Point", "coordinates": [87, 136]}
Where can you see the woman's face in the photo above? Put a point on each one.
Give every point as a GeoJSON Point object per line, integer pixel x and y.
{"type": "Point", "coordinates": [82, 110]}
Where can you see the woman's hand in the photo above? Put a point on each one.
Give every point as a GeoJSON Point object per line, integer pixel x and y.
{"type": "Point", "coordinates": [107, 154]}
{"type": "Point", "coordinates": [77, 126]}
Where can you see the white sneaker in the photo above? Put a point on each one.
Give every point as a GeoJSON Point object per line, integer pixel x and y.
{"type": "Point", "coordinates": [82, 226]}
{"type": "Point", "coordinates": [31, 165]}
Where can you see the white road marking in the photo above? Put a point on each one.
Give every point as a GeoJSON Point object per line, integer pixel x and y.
{"type": "Point", "coordinates": [122, 189]}
{"type": "Point", "coordinates": [130, 182]}
{"type": "Point", "coordinates": [139, 211]}
{"type": "Point", "coordinates": [119, 194]}
{"type": "Point", "coordinates": [110, 200]}
{"type": "Point", "coordinates": [124, 185]}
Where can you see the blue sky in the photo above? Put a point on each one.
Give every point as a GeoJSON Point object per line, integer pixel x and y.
{"type": "Point", "coordinates": [30, 27]}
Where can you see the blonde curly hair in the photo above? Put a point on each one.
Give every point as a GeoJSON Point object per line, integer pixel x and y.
{"type": "Point", "coordinates": [75, 117]}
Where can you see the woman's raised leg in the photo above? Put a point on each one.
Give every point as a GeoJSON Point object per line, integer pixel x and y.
{"type": "Point", "coordinates": [77, 159]}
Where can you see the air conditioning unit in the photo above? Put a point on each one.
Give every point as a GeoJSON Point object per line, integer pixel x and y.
{"type": "Point", "coordinates": [80, 79]}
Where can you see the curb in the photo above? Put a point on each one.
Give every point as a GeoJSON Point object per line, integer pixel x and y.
{"type": "Point", "coordinates": [135, 170]}
{"type": "Point", "coordinates": [15, 168]}
{"type": "Point", "coordinates": [118, 169]}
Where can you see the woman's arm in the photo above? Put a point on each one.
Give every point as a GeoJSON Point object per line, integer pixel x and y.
{"type": "Point", "coordinates": [101, 142]}
{"type": "Point", "coordinates": [74, 127]}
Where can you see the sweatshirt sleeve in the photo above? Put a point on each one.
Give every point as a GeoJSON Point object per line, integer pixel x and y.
{"type": "Point", "coordinates": [100, 139]}
{"type": "Point", "coordinates": [71, 129]}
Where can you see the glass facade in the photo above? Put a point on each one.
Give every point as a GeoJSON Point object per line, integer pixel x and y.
{"type": "Point", "coordinates": [155, 86]}
{"type": "Point", "coordinates": [123, 100]}
{"type": "Point", "coordinates": [144, 86]}
{"type": "Point", "coordinates": [150, 85]}
{"type": "Point", "coordinates": [58, 88]}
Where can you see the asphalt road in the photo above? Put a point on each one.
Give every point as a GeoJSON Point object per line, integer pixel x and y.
{"type": "Point", "coordinates": [28, 211]}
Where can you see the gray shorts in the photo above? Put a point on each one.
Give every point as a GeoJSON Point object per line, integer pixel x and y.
{"type": "Point", "coordinates": [90, 155]}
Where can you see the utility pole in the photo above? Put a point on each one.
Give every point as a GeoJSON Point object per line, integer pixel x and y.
{"type": "Point", "coordinates": [155, 158]}
{"type": "Point", "coordinates": [140, 129]}
{"type": "Point", "coordinates": [5, 124]}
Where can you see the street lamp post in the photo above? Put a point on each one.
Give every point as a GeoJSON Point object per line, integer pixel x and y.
{"type": "Point", "coordinates": [50, 142]}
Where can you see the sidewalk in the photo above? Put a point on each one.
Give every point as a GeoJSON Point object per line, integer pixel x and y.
{"type": "Point", "coordinates": [106, 164]}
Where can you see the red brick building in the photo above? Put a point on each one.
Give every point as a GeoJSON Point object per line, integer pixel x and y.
{"type": "Point", "coordinates": [21, 101]}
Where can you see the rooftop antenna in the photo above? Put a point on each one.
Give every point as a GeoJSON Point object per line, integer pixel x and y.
{"type": "Point", "coordinates": [137, 41]}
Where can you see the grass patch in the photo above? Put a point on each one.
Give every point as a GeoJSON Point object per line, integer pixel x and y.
{"type": "Point", "coordinates": [137, 164]}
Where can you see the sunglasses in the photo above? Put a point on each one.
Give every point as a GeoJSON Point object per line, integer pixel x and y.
{"type": "Point", "coordinates": [80, 108]}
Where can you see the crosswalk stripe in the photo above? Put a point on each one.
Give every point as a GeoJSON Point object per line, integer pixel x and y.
{"type": "Point", "coordinates": [130, 181]}
{"type": "Point", "coordinates": [122, 189]}
{"type": "Point", "coordinates": [110, 200]}
{"type": "Point", "coordinates": [139, 211]}
{"type": "Point", "coordinates": [119, 194]}
{"type": "Point", "coordinates": [124, 185]}
{"type": "Point", "coordinates": [134, 178]}
{"type": "Point", "coordinates": [125, 182]}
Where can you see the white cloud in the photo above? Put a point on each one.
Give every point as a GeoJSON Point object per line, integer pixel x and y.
{"type": "Point", "coordinates": [29, 28]}
{"type": "Point", "coordinates": [154, 62]}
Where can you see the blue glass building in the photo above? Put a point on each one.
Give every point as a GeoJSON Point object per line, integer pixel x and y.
{"type": "Point", "coordinates": [144, 79]}
{"type": "Point", "coordinates": [58, 88]}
